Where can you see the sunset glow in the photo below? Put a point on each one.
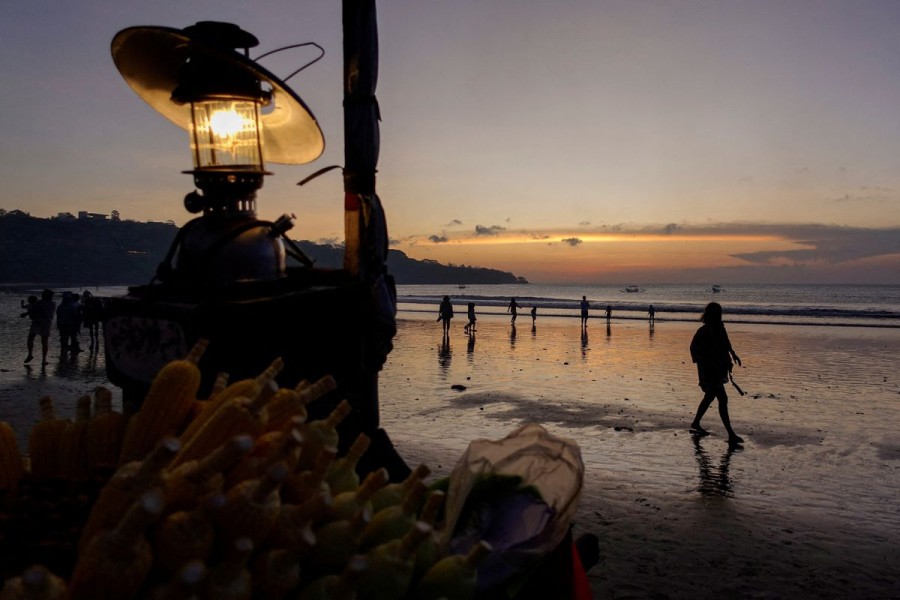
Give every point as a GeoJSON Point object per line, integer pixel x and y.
{"type": "Point", "coordinates": [588, 139]}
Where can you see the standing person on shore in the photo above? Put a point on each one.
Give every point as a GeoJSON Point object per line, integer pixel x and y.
{"type": "Point", "coordinates": [68, 321]}
{"type": "Point", "coordinates": [445, 313]}
{"type": "Point", "coordinates": [470, 326]}
{"type": "Point", "coordinates": [41, 322]}
{"type": "Point", "coordinates": [608, 313]}
{"type": "Point", "coordinates": [652, 314]}
{"type": "Point", "coordinates": [92, 313]}
{"type": "Point", "coordinates": [513, 308]}
{"type": "Point", "coordinates": [711, 350]}
{"type": "Point", "coordinates": [585, 305]}
{"type": "Point", "coordinates": [533, 315]}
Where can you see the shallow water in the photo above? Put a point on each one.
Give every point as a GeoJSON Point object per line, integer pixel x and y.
{"type": "Point", "coordinates": [820, 466]}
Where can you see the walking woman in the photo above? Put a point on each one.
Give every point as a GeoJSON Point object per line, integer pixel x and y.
{"type": "Point", "coordinates": [711, 350]}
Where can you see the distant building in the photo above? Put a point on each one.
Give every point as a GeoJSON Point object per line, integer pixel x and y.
{"type": "Point", "coordinates": [64, 216]}
{"type": "Point", "coordinates": [83, 215]}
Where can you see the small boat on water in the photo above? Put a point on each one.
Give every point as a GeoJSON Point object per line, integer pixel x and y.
{"type": "Point", "coordinates": [716, 289]}
{"type": "Point", "coordinates": [461, 286]}
{"type": "Point", "coordinates": [631, 289]}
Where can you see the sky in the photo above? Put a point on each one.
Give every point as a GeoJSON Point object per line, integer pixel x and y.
{"type": "Point", "coordinates": [597, 141]}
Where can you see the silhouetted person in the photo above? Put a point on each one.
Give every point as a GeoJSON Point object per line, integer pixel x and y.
{"type": "Point", "coordinates": [68, 322]}
{"type": "Point", "coordinates": [651, 313]}
{"type": "Point", "coordinates": [470, 326]}
{"type": "Point", "coordinates": [445, 313]}
{"type": "Point", "coordinates": [711, 350]}
{"type": "Point", "coordinates": [92, 316]}
{"type": "Point", "coordinates": [585, 305]}
{"type": "Point", "coordinates": [41, 323]}
{"type": "Point", "coordinates": [533, 315]}
{"type": "Point", "coordinates": [514, 309]}
{"type": "Point", "coordinates": [608, 313]}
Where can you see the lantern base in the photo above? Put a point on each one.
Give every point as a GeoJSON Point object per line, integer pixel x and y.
{"type": "Point", "coordinates": [319, 322]}
{"type": "Point", "coordinates": [220, 248]}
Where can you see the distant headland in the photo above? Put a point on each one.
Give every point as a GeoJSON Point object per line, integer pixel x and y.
{"type": "Point", "coordinates": [98, 249]}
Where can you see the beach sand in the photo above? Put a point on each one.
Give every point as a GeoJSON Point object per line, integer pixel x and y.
{"type": "Point", "coordinates": [807, 508]}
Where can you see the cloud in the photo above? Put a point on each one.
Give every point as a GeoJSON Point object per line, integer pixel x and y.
{"type": "Point", "coordinates": [670, 228]}
{"type": "Point", "coordinates": [454, 223]}
{"type": "Point", "coordinates": [584, 223]}
{"type": "Point", "coordinates": [828, 244]}
{"type": "Point", "coordinates": [492, 230]}
{"type": "Point", "coordinates": [331, 241]}
{"type": "Point", "coordinates": [572, 241]}
{"type": "Point", "coordinates": [873, 194]}
{"type": "Point", "coordinates": [438, 239]}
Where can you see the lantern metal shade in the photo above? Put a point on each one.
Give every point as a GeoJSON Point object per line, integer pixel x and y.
{"type": "Point", "coordinates": [151, 61]}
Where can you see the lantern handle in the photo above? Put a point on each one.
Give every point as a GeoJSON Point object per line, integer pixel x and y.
{"type": "Point", "coordinates": [310, 63]}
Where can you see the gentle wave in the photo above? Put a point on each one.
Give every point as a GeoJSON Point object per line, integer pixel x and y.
{"type": "Point", "coordinates": [874, 306]}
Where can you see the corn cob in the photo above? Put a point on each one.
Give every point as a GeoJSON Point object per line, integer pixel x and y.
{"type": "Point", "coordinates": [72, 459]}
{"type": "Point", "coordinates": [285, 406]}
{"type": "Point", "coordinates": [230, 579]}
{"type": "Point", "coordinates": [301, 485]}
{"type": "Point", "coordinates": [184, 536]}
{"type": "Point", "coordinates": [336, 587]}
{"type": "Point", "coordinates": [114, 563]}
{"type": "Point", "coordinates": [36, 583]}
{"type": "Point", "coordinates": [184, 586]}
{"type": "Point", "coordinates": [391, 566]}
{"type": "Point", "coordinates": [322, 433]}
{"type": "Point", "coordinates": [106, 430]}
{"type": "Point", "coordinates": [245, 388]}
{"type": "Point", "coordinates": [127, 484]}
{"type": "Point", "coordinates": [270, 448]}
{"type": "Point", "coordinates": [251, 507]}
{"type": "Point", "coordinates": [166, 406]}
{"type": "Point", "coordinates": [43, 443]}
{"type": "Point", "coordinates": [342, 476]}
{"type": "Point", "coordinates": [276, 572]}
{"type": "Point", "coordinates": [11, 466]}
{"type": "Point", "coordinates": [394, 521]}
{"type": "Point", "coordinates": [189, 483]}
{"type": "Point", "coordinates": [337, 541]}
{"type": "Point", "coordinates": [347, 504]}
{"type": "Point", "coordinates": [293, 519]}
{"type": "Point", "coordinates": [236, 416]}
{"type": "Point", "coordinates": [429, 550]}
{"type": "Point", "coordinates": [394, 493]}
{"type": "Point", "coordinates": [291, 403]}
{"type": "Point", "coordinates": [453, 577]}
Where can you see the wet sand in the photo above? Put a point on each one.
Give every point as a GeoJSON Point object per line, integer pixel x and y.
{"type": "Point", "coordinates": [806, 508]}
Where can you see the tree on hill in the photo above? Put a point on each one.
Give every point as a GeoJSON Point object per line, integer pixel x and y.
{"type": "Point", "coordinates": [124, 252]}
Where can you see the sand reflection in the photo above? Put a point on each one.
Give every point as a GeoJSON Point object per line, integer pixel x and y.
{"type": "Point", "coordinates": [715, 479]}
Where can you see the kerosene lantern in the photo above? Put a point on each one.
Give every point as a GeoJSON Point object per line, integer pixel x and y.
{"type": "Point", "coordinates": [225, 277]}
{"type": "Point", "coordinates": [238, 115]}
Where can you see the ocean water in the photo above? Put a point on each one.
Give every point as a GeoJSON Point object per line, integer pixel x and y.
{"type": "Point", "coordinates": [856, 305]}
